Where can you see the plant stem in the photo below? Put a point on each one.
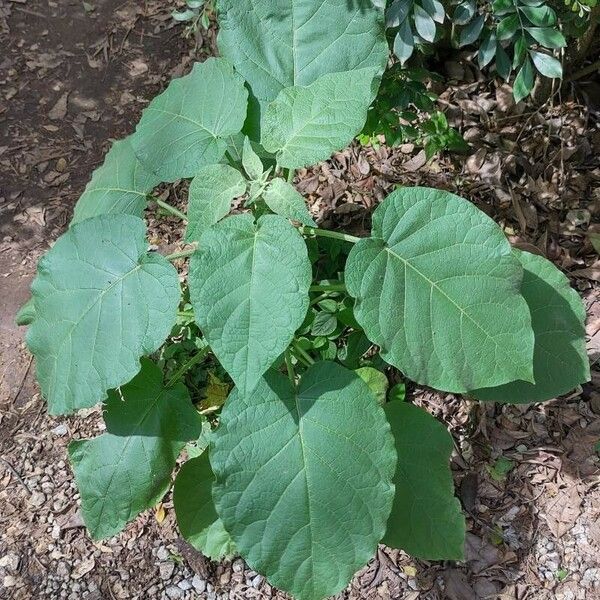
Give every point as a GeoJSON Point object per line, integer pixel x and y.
{"type": "Point", "coordinates": [305, 355]}
{"type": "Point", "coordinates": [198, 357]}
{"type": "Point", "coordinates": [171, 209]}
{"type": "Point", "coordinates": [290, 175]}
{"type": "Point", "coordinates": [181, 254]}
{"type": "Point", "coordinates": [331, 287]}
{"type": "Point", "coordinates": [185, 313]}
{"type": "Point", "coordinates": [330, 234]}
{"type": "Point", "coordinates": [290, 366]}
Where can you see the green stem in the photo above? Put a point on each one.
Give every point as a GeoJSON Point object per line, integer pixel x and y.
{"type": "Point", "coordinates": [290, 366]}
{"type": "Point", "coordinates": [290, 175]}
{"type": "Point", "coordinates": [305, 355]}
{"type": "Point", "coordinates": [171, 209]}
{"type": "Point", "coordinates": [330, 234]}
{"type": "Point", "coordinates": [331, 287]}
{"type": "Point", "coordinates": [185, 313]}
{"type": "Point", "coordinates": [181, 254]}
{"type": "Point", "coordinates": [197, 358]}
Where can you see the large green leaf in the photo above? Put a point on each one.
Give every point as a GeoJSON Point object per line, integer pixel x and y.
{"type": "Point", "coordinates": [101, 301]}
{"type": "Point", "coordinates": [303, 478]}
{"type": "Point", "coordinates": [128, 469]}
{"type": "Point", "coordinates": [277, 44]}
{"type": "Point", "coordinates": [438, 289]}
{"type": "Point", "coordinates": [560, 361]}
{"type": "Point", "coordinates": [210, 196]}
{"type": "Point", "coordinates": [249, 288]}
{"type": "Point", "coordinates": [304, 125]}
{"type": "Point", "coordinates": [119, 185]}
{"type": "Point", "coordinates": [283, 198]}
{"type": "Point", "coordinates": [426, 519]}
{"type": "Point", "coordinates": [188, 125]}
{"type": "Point", "coordinates": [197, 517]}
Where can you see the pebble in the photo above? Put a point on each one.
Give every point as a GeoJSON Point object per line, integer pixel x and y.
{"type": "Point", "coordinates": [9, 581]}
{"type": "Point", "coordinates": [37, 499]}
{"type": "Point", "coordinates": [174, 592]}
{"type": "Point", "coordinates": [166, 570]}
{"type": "Point", "coordinates": [162, 553]}
{"type": "Point", "coordinates": [198, 584]}
{"type": "Point", "coordinates": [184, 584]}
{"type": "Point", "coordinates": [10, 561]}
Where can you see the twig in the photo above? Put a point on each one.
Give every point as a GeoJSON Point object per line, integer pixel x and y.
{"type": "Point", "coordinates": [14, 472]}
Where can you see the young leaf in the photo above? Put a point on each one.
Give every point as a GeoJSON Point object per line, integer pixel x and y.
{"type": "Point", "coordinates": [507, 27]}
{"type": "Point", "coordinates": [187, 126]}
{"type": "Point", "coordinates": [197, 517]}
{"type": "Point", "coordinates": [249, 288]}
{"type": "Point", "coordinates": [426, 519]}
{"type": "Point", "coordinates": [524, 81]}
{"type": "Point", "coordinates": [306, 495]}
{"type": "Point", "coordinates": [404, 42]}
{"type": "Point", "coordinates": [26, 313]}
{"type": "Point", "coordinates": [283, 199]}
{"type": "Point", "coordinates": [542, 16]}
{"type": "Point", "coordinates": [471, 32]}
{"type": "Point", "coordinates": [560, 360]}
{"type": "Point", "coordinates": [101, 302]}
{"type": "Point", "coordinates": [210, 196]}
{"type": "Point", "coordinates": [119, 185]}
{"type": "Point", "coordinates": [438, 289]}
{"type": "Point", "coordinates": [548, 37]}
{"type": "Point", "coordinates": [376, 380]}
{"type": "Point", "coordinates": [424, 24]}
{"type": "Point", "coordinates": [276, 44]}
{"type": "Point", "coordinates": [128, 469]}
{"type": "Point", "coordinates": [547, 65]}
{"type": "Point", "coordinates": [251, 161]}
{"type": "Point", "coordinates": [305, 125]}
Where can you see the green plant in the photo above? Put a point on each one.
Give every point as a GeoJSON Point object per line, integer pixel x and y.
{"type": "Point", "coordinates": [306, 467]}
{"type": "Point", "coordinates": [194, 15]}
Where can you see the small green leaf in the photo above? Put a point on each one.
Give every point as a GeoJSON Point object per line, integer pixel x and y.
{"type": "Point", "coordinates": [397, 393]}
{"type": "Point", "coordinates": [519, 52]}
{"type": "Point", "coordinates": [435, 9]}
{"type": "Point", "coordinates": [503, 66]}
{"type": "Point", "coordinates": [542, 16]}
{"type": "Point", "coordinates": [251, 161]}
{"type": "Point", "coordinates": [424, 24]}
{"type": "Point", "coordinates": [307, 494]}
{"type": "Point", "coordinates": [324, 324]}
{"type": "Point", "coordinates": [470, 34]}
{"type": "Point", "coordinates": [187, 126]}
{"type": "Point", "coordinates": [26, 313]}
{"type": "Point", "coordinates": [397, 12]}
{"type": "Point", "coordinates": [547, 65]}
{"type": "Point", "coordinates": [487, 50]}
{"type": "Point", "coordinates": [249, 289]}
{"type": "Point", "coordinates": [283, 199]}
{"type": "Point", "coordinates": [305, 125]}
{"type": "Point", "coordinates": [101, 301]}
{"type": "Point", "coordinates": [404, 42]}
{"type": "Point", "coordinates": [120, 185]}
{"type": "Point", "coordinates": [548, 37]}
{"type": "Point", "coordinates": [426, 519]}
{"type": "Point", "coordinates": [523, 81]}
{"type": "Point", "coordinates": [377, 382]}
{"type": "Point", "coordinates": [507, 27]}
{"type": "Point", "coordinates": [435, 255]}
{"type": "Point", "coordinates": [210, 196]}
{"type": "Point", "coordinates": [501, 468]}
{"type": "Point", "coordinates": [197, 517]}
{"type": "Point", "coordinates": [464, 12]}
{"type": "Point", "coordinates": [128, 469]}
{"type": "Point", "coordinates": [560, 361]}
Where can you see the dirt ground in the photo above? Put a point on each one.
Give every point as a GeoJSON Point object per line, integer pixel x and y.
{"type": "Point", "coordinates": [76, 75]}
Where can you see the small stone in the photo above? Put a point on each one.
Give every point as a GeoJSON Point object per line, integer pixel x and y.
{"type": "Point", "coordinates": [162, 553]}
{"type": "Point", "coordinates": [166, 570]}
{"type": "Point", "coordinates": [10, 561]}
{"type": "Point", "coordinates": [37, 499]}
{"type": "Point", "coordinates": [198, 584]}
{"type": "Point", "coordinates": [9, 581]}
{"type": "Point", "coordinates": [63, 570]}
{"type": "Point", "coordinates": [184, 584]}
{"type": "Point", "coordinates": [174, 592]}
{"type": "Point", "coordinates": [257, 581]}
{"type": "Point", "coordinates": [60, 430]}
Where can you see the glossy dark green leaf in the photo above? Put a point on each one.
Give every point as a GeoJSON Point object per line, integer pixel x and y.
{"type": "Point", "coordinates": [470, 34]}
{"type": "Point", "coordinates": [560, 361]}
{"type": "Point", "coordinates": [507, 27]}
{"type": "Point", "coordinates": [424, 24]}
{"type": "Point", "coordinates": [101, 301]}
{"type": "Point", "coordinates": [547, 65]}
{"type": "Point", "coordinates": [303, 491]}
{"type": "Point", "coordinates": [541, 16]}
{"type": "Point", "coordinates": [128, 469]}
{"type": "Point", "coordinates": [503, 65]}
{"type": "Point", "coordinates": [487, 50]}
{"type": "Point", "coordinates": [404, 42]}
{"type": "Point", "coordinates": [426, 519]}
{"type": "Point", "coordinates": [464, 12]}
{"type": "Point", "coordinates": [524, 81]}
{"type": "Point", "coordinates": [548, 37]}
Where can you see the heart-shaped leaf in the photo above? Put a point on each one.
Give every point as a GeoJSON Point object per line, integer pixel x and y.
{"type": "Point", "coordinates": [101, 301]}
{"type": "Point", "coordinates": [303, 491]}
{"type": "Point", "coordinates": [438, 289]}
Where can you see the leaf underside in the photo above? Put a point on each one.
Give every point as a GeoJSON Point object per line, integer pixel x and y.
{"type": "Point", "coordinates": [128, 469]}
{"type": "Point", "coordinates": [283, 199]}
{"type": "Point", "coordinates": [197, 517]}
{"type": "Point", "coordinates": [101, 302]}
{"type": "Point", "coordinates": [305, 493]}
{"type": "Point", "coordinates": [188, 125]}
{"type": "Point", "coordinates": [438, 289]}
{"type": "Point", "coordinates": [560, 361]}
{"type": "Point", "coordinates": [249, 288]}
{"type": "Point", "coordinates": [426, 519]}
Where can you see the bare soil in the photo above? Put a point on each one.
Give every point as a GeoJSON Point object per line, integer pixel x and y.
{"type": "Point", "coordinates": [73, 77]}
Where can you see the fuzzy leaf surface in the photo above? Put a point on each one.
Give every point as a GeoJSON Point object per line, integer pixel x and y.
{"type": "Point", "coordinates": [101, 302]}
{"type": "Point", "coordinates": [426, 519]}
{"type": "Point", "coordinates": [210, 196]}
{"type": "Point", "coordinates": [197, 517]}
{"type": "Point", "coordinates": [188, 125]}
{"type": "Point", "coordinates": [560, 361]}
{"type": "Point", "coordinates": [249, 288]}
{"type": "Point", "coordinates": [304, 492]}
{"type": "Point", "coordinates": [119, 185]}
{"type": "Point", "coordinates": [283, 199]}
{"type": "Point", "coordinates": [128, 469]}
{"type": "Point", "coordinates": [276, 44]}
{"type": "Point", "coordinates": [438, 289]}
{"type": "Point", "coordinates": [305, 125]}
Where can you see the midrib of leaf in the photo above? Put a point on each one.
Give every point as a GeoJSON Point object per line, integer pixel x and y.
{"type": "Point", "coordinates": [250, 312]}
{"type": "Point", "coordinates": [434, 285]}
{"type": "Point", "coordinates": [180, 116]}
{"type": "Point", "coordinates": [113, 189]}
